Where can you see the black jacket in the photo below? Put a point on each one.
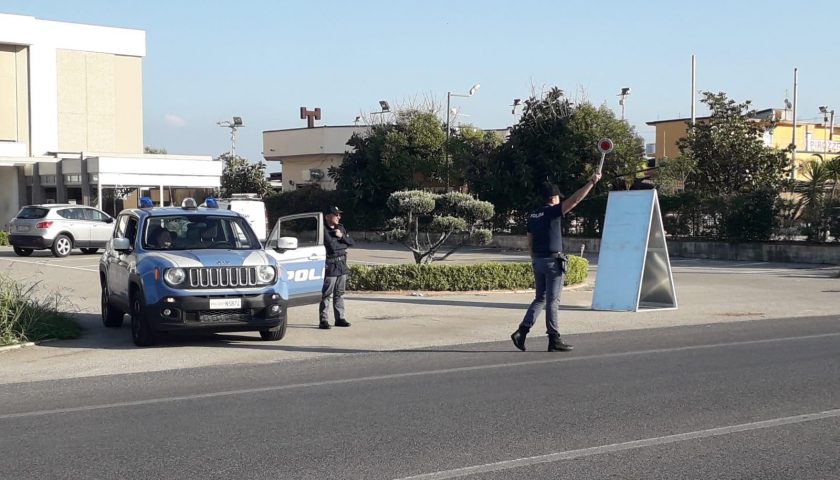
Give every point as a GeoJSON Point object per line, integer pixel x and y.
{"type": "Point", "coordinates": [336, 250]}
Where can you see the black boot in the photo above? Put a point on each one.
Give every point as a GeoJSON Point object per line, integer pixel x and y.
{"type": "Point", "coordinates": [555, 344]}
{"type": "Point", "coordinates": [518, 338]}
{"type": "Point", "coordinates": [324, 325]}
{"type": "Point", "coordinates": [342, 323]}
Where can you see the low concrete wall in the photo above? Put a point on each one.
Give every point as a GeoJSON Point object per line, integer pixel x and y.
{"type": "Point", "coordinates": [757, 251]}
{"type": "Point", "coordinates": [789, 252]}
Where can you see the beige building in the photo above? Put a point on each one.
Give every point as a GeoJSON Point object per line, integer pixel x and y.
{"type": "Point", "coordinates": [308, 153]}
{"type": "Point", "coordinates": [814, 141]}
{"type": "Point", "coordinates": [71, 118]}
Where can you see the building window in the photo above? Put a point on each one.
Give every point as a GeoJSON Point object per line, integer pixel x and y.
{"type": "Point", "coordinates": [73, 178]}
{"type": "Point", "coordinates": [94, 178]}
{"type": "Point", "coordinates": [47, 179]}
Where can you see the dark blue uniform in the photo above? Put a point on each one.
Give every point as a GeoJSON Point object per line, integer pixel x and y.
{"type": "Point", "coordinates": [335, 276]}
{"type": "Point", "coordinates": [336, 250]}
{"type": "Point", "coordinates": [544, 225]}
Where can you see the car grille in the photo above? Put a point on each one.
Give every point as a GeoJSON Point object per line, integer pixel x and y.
{"type": "Point", "coordinates": [213, 316]}
{"type": "Point", "coordinates": [217, 277]}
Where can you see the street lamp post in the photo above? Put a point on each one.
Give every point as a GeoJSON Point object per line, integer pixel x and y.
{"type": "Point", "coordinates": [384, 108]}
{"type": "Point", "coordinates": [449, 96]}
{"type": "Point", "coordinates": [828, 114]}
{"type": "Point", "coordinates": [624, 92]}
{"type": "Point", "coordinates": [516, 102]}
{"type": "Point", "coordinates": [232, 125]}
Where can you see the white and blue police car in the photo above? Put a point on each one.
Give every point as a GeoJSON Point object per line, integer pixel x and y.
{"type": "Point", "coordinates": [195, 268]}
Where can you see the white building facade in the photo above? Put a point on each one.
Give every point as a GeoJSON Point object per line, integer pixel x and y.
{"type": "Point", "coordinates": [71, 121]}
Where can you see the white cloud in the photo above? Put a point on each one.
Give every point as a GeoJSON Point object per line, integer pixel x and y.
{"type": "Point", "coordinates": [174, 121]}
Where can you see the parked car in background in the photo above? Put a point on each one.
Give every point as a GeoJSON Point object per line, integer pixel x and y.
{"type": "Point", "coordinates": [60, 228]}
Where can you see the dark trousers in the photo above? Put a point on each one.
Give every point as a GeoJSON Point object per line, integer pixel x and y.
{"type": "Point", "coordinates": [548, 279]}
{"type": "Point", "coordinates": [333, 289]}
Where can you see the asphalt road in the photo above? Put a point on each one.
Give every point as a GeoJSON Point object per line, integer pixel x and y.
{"type": "Point", "coordinates": [757, 399]}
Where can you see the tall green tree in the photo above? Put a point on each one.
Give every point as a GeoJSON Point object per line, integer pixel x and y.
{"type": "Point", "coordinates": [672, 173]}
{"type": "Point", "coordinates": [241, 176]}
{"type": "Point", "coordinates": [472, 152]}
{"type": "Point", "coordinates": [554, 140]}
{"type": "Point", "coordinates": [729, 151]}
{"type": "Point", "coordinates": [405, 154]}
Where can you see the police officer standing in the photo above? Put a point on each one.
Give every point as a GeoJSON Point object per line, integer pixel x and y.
{"type": "Point", "coordinates": [545, 244]}
{"type": "Point", "coordinates": [336, 242]}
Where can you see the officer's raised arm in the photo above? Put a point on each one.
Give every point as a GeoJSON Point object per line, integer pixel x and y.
{"type": "Point", "coordinates": [580, 194]}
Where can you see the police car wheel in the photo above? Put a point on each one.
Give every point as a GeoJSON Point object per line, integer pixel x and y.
{"type": "Point", "coordinates": [274, 334]}
{"type": "Point", "coordinates": [111, 317]}
{"type": "Point", "coordinates": [23, 252]}
{"type": "Point", "coordinates": [141, 332]}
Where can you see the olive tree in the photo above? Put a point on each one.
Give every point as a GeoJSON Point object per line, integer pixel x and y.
{"type": "Point", "coordinates": [424, 221]}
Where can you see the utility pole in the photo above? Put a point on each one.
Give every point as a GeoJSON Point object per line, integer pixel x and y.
{"type": "Point", "coordinates": [793, 139]}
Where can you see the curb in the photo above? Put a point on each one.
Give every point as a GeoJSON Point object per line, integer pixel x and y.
{"type": "Point", "coordinates": [438, 293]}
{"type": "Point", "coordinates": [16, 346]}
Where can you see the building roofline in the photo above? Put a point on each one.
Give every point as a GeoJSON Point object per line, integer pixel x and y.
{"type": "Point", "coordinates": [686, 119]}
{"type": "Point", "coordinates": [316, 127]}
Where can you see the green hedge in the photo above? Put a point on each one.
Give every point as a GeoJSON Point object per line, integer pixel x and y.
{"type": "Point", "coordinates": [4, 238]}
{"type": "Point", "coordinates": [453, 278]}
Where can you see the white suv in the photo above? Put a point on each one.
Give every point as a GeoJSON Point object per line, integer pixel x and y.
{"type": "Point", "coordinates": [60, 228]}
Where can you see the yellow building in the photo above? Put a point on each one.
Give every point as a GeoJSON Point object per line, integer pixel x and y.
{"type": "Point", "coordinates": [814, 141]}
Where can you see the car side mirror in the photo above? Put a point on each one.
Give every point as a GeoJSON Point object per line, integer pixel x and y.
{"type": "Point", "coordinates": [121, 244]}
{"type": "Point", "coordinates": [286, 243]}
{"type": "Point", "coordinates": [109, 220]}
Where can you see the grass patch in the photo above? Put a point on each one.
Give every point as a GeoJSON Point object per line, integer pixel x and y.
{"type": "Point", "coordinates": [23, 318]}
{"type": "Point", "coordinates": [4, 239]}
{"type": "Point", "coordinates": [455, 278]}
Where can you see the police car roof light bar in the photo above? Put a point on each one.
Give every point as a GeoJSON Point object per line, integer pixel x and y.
{"type": "Point", "coordinates": [146, 202]}
{"type": "Point", "coordinates": [189, 204]}
{"type": "Point", "coordinates": [211, 202]}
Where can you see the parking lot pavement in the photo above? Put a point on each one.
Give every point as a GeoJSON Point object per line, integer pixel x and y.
{"type": "Point", "coordinates": [708, 292]}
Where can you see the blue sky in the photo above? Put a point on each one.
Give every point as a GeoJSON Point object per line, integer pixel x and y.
{"type": "Point", "coordinates": [207, 61]}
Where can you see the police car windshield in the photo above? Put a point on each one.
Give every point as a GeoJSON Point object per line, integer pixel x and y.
{"type": "Point", "coordinates": [198, 232]}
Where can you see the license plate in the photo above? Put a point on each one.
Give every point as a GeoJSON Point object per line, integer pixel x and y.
{"type": "Point", "coordinates": [22, 228]}
{"type": "Point", "coordinates": [225, 303]}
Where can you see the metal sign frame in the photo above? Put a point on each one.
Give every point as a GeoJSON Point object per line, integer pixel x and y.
{"type": "Point", "coordinates": [634, 271]}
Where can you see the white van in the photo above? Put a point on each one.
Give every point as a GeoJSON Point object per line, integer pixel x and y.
{"type": "Point", "coordinates": [250, 206]}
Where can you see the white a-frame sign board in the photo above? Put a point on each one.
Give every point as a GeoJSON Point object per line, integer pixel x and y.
{"type": "Point", "coordinates": [634, 272]}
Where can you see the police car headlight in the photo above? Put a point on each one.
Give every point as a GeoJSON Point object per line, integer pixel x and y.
{"type": "Point", "coordinates": [175, 276]}
{"type": "Point", "coordinates": [266, 273]}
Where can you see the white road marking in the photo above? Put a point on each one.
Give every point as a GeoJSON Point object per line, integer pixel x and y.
{"type": "Point", "coordinates": [48, 264]}
{"type": "Point", "coordinates": [392, 376]}
{"type": "Point", "coordinates": [620, 447]}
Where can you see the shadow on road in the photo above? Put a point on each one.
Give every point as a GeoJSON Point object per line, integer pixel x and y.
{"type": "Point", "coordinates": [458, 303]}
{"type": "Point", "coordinates": [98, 337]}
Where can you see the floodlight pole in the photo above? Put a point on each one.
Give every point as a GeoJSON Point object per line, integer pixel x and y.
{"type": "Point", "coordinates": [232, 126]}
{"type": "Point", "coordinates": [449, 96]}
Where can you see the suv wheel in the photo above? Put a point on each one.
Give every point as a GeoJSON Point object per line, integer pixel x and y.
{"type": "Point", "coordinates": [111, 317]}
{"type": "Point", "coordinates": [90, 251]}
{"type": "Point", "coordinates": [274, 334]}
{"type": "Point", "coordinates": [23, 252]}
{"type": "Point", "coordinates": [61, 246]}
{"type": "Point", "coordinates": [141, 332]}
